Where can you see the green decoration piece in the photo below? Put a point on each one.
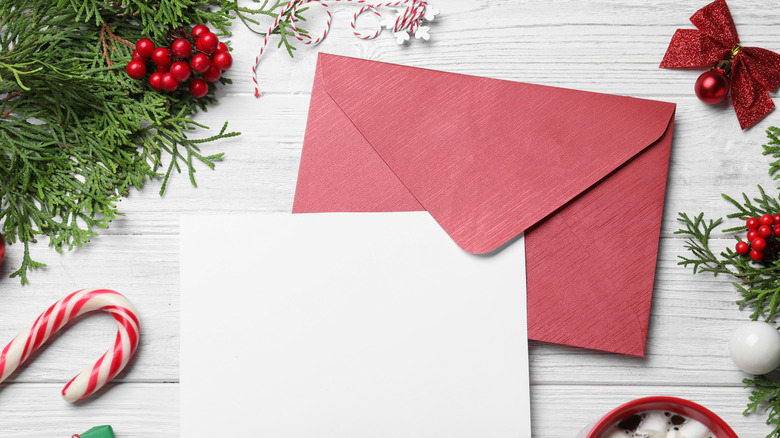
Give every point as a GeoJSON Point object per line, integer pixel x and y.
{"type": "Point", "coordinates": [99, 432]}
{"type": "Point", "coordinates": [758, 283]}
{"type": "Point", "coordinates": [76, 133]}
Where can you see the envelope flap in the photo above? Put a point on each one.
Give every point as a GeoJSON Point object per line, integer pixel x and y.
{"type": "Point", "coordinates": [489, 158]}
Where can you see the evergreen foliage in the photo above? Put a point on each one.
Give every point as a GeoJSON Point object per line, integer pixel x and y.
{"type": "Point", "coordinates": [76, 133]}
{"type": "Point", "coordinates": [758, 283]}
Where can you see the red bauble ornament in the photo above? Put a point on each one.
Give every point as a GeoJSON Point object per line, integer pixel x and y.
{"type": "Point", "coordinates": [200, 62]}
{"type": "Point", "coordinates": [199, 30]}
{"type": "Point", "coordinates": [756, 255]}
{"type": "Point", "coordinates": [752, 235]}
{"type": "Point", "coordinates": [161, 56]}
{"type": "Point", "coordinates": [180, 71]}
{"type": "Point", "coordinates": [212, 74]}
{"type": "Point", "coordinates": [207, 43]}
{"type": "Point", "coordinates": [169, 83]}
{"type": "Point", "coordinates": [752, 223]}
{"type": "Point", "coordinates": [136, 69]}
{"type": "Point", "coordinates": [759, 243]}
{"type": "Point", "coordinates": [743, 248]}
{"type": "Point", "coordinates": [712, 86]}
{"type": "Point", "coordinates": [155, 80]}
{"type": "Point", "coordinates": [145, 47]}
{"type": "Point", "coordinates": [223, 60]}
{"type": "Point", "coordinates": [199, 88]}
{"type": "Point", "coordinates": [181, 48]}
{"type": "Point", "coordinates": [2, 248]}
{"type": "Point", "coordinates": [766, 219]}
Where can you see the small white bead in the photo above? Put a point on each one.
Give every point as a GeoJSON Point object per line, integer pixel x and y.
{"type": "Point", "coordinates": [755, 347]}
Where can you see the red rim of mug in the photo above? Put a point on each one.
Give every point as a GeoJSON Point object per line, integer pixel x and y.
{"type": "Point", "coordinates": [672, 404]}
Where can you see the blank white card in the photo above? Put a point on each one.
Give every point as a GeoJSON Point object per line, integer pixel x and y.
{"type": "Point", "coordinates": [349, 326]}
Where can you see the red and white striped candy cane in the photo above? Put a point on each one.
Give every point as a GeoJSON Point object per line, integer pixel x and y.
{"type": "Point", "coordinates": [409, 20]}
{"type": "Point", "coordinates": [57, 317]}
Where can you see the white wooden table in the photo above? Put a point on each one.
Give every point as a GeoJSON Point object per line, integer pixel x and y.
{"type": "Point", "coordinates": [611, 46]}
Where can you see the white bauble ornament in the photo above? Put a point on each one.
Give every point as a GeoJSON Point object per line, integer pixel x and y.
{"type": "Point", "coordinates": [755, 347]}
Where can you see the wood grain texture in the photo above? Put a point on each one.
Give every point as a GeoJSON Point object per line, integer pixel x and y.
{"type": "Point", "coordinates": [610, 46]}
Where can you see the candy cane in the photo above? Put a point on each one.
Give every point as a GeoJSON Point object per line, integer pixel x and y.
{"type": "Point", "coordinates": [57, 317]}
{"type": "Point", "coordinates": [409, 20]}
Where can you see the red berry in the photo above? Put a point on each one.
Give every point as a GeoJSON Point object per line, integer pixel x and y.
{"type": "Point", "coordinates": [155, 80]}
{"type": "Point", "coordinates": [145, 47]}
{"type": "Point", "coordinates": [207, 43]}
{"type": "Point", "coordinates": [764, 231]}
{"type": "Point", "coordinates": [212, 74]}
{"type": "Point", "coordinates": [223, 60]}
{"type": "Point", "coordinates": [199, 88]}
{"type": "Point", "coordinates": [776, 219]}
{"type": "Point", "coordinates": [136, 69]}
{"type": "Point", "coordinates": [180, 71]}
{"type": "Point", "coordinates": [752, 235]}
{"type": "Point", "coordinates": [163, 68]}
{"type": "Point", "coordinates": [199, 30]}
{"type": "Point", "coordinates": [138, 57]}
{"type": "Point", "coordinates": [2, 248]}
{"type": "Point", "coordinates": [743, 248]}
{"type": "Point", "coordinates": [169, 83]}
{"type": "Point", "coordinates": [776, 229]}
{"type": "Point", "coordinates": [161, 56]}
{"type": "Point", "coordinates": [766, 219]}
{"type": "Point", "coordinates": [752, 223]}
{"type": "Point", "coordinates": [181, 48]}
{"type": "Point", "coordinates": [756, 255]}
{"type": "Point", "coordinates": [222, 47]}
{"type": "Point", "coordinates": [759, 244]}
{"type": "Point", "coordinates": [200, 62]}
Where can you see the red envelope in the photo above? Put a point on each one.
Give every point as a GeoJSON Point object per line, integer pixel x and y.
{"type": "Point", "coordinates": [582, 174]}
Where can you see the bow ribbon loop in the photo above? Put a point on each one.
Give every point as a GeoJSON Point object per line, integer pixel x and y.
{"type": "Point", "coordinates": [755, 71]}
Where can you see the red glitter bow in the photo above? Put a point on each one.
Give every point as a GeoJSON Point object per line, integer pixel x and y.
{"type": "Point", "coordinates": [754, 71]}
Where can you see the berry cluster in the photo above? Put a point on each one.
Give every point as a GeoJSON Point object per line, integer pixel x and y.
{"type": "Point", "coordinates": [758, 236]}
{"type": "Point", "coordinates": [210, 60]}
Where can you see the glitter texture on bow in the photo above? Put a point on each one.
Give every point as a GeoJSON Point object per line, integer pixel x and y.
{"type": "Point", "coordinates": [755, 71]}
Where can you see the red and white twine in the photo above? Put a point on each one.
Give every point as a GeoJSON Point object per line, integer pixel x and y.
{"type": "Point", "coordinates": [58, 316]}
{"type": "Point", "coordinates": [409, 20]}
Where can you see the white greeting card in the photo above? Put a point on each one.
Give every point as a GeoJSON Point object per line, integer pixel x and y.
{"type": "Point", "coordinates": [349, 326]}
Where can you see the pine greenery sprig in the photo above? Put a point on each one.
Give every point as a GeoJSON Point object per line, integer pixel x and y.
{"type": "Point", "coordinates": [758, 283]}
{"type": "Point", "coordinates": [76, 133]}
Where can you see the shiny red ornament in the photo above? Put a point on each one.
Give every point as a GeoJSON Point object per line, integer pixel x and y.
{"type": "Point", "coordinates": [712, 86]}
{"type": "Point", "coordinates": [199, 30]}
{"type": "Point", "coordinates": [199, 88]}
{"type": "Point", "coordinates": [169, 83]}
{"type": "Point", "coordinates": [754, 71]}
{"type": "Point", "coordinates": [155, 81]}
{"type": "Point", "coordinates": [144, 47]}
{"type": "Point", "coordinates": [181, 48]}
{"type": "Point", "coordinates": [207, 43]}
{"type": "Point", "coordinates": [759, 244]}
{"type": "Point", "coordinates": [752, 235]}
{"type": "Point", "coordinates": [212, 74]}
{"type": "Point", "coordinates": [223, 60]}
{"type": "Point", "coordinates": [200, 62]}
{"type": "Point", "coordinates": [752, 223]}
{"type": "Point", "coordinates": [756, 255]}
{"type": "Point", "coordinates": [765, 231]}
{"type": "Point", "coordinates": [2, 248]}
{"type": "Point", "coordinates": [180, 71]}
{"type": "Point", "coordinates": [136, 69]}
{"type": "Point", "coordinates": [742, 248]}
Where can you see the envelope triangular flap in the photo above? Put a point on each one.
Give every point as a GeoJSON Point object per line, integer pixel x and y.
{"type": "Point", "coordinates": [489, 158]}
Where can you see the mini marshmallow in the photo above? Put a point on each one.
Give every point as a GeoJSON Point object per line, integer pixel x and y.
{"type": "Point", "coordinates": [654, 425]}
{"type": "Point", "coordinates": [615, 433]}
{"type": "Point", "coordinates": [694, 429]}
{"type": "Point", "coordinates": [673, 433]}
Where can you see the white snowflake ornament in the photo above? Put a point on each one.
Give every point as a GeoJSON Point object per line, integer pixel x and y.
{"type": "Point", "coordinates": [422, 32]}
{"type": "Point", "coordinates": [430, 13]}
{"type": "Point", "coordinates": [401, 37]}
